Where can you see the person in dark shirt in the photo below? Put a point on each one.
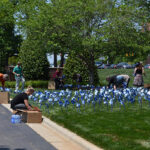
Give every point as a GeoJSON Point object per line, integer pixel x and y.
{"type": "Point", "coordinates": [56, 76]}
{"type": "Point", "coordinates": [118, 81]}
{"type": "Point", "coordinates": [20, 101]}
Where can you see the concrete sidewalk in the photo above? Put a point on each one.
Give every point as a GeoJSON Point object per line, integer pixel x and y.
{"type": "Point", "coordinates": [59, 137]}
{"type": "Point", "coordinates": [19, 136]}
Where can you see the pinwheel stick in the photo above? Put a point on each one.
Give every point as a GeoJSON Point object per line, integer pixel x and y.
{"type": "Point", "coordinates": [112, 107]}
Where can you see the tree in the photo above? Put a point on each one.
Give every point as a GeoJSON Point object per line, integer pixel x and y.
{"type": "Point", "coordinates": [87, 28]}
{"type": "Point", "coordinates": [74, 65]}
{"type": "Point", "coordinates": [123, 33]}
{"type": "Point", "coordinates": [79, 23]}
{"type": "Point", "coordinates": [34, 62]}
{"type": "Point", "coordinates": [9, 41]}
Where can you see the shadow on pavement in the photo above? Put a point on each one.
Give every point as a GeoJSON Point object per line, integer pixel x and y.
{"type": "Point", "coordinates": [7, 148]}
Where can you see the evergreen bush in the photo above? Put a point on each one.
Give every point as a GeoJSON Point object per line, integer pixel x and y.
{"type": "Point", "coordinates": [35, 84]}
{"type": "Point", "coordinates": [34, 62]}
{"type": "Point", "coordinates": [74, 65]}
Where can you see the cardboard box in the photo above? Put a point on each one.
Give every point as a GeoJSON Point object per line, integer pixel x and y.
{"type": "Point", "coordinates": [51, 85]}
{"type": "Point", "coordinates": [31, 116]}
{"type": "Point", "coordinates": [4, 97]}
{"type": "Point", "coordinates": [147, 86]}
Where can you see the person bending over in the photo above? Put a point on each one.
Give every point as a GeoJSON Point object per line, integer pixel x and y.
{"type": "Point", "coordinates": [20, 101]}
{"type": "Point", "coordinates": [3, 78]}
{"type": "Point", "coordinates": [118, 81]}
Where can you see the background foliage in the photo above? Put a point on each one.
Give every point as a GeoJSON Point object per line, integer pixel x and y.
{"type": "Point", "coordinates": [74, 65]}
{"type": "Point", "coordinates": [87, 28]}
{"type": "Point", "coordinates": [95, 28]}
{"type": "Point", "coordinates": [9, 41]}
{"type": "Point", "coordinates": [35, 64]}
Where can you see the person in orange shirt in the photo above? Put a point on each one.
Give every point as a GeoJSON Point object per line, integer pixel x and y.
{"type": "Point", "coordinates": [3, 78]}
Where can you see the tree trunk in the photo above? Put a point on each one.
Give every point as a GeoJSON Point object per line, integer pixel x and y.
{"type": "Point", "coordinates": [55, 59]}
{"type": "Point", "coordinates": [91, 68]}
{"type": "Point", "coordinates": [91, 76]}
{"type": "Point", "coordinates": [62, 60]}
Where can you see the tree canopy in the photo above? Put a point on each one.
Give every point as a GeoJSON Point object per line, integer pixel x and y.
{"type": "Point", "coordinates": [9, 41]}
{"type": "Point", "coordinates": [88, 28]}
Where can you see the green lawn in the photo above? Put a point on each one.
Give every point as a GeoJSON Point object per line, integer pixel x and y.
{"type": "Point", "coordinates": [103, 73]}
{"type": "Point", "coordinates": [117, 129]}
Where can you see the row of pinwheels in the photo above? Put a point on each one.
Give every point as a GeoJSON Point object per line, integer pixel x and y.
{"type": "Point", "coordinates": [83, 98]}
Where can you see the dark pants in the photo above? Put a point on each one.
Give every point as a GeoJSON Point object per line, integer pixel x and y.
{"type": "Point", "coordinates": [57, 83]}
{"type": "Point", "coordinates": [19, 106]}
{"type": "Point", "coordinates": [128, 82]}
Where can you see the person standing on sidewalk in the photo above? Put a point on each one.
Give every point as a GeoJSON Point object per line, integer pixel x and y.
{"type": "Point", "coordinates": [3, 78]}
{"type": "Point", "coordinates": [17, 71]}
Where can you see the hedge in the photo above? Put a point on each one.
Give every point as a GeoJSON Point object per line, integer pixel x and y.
{"type": "Point", "coordinates": [35, 84]}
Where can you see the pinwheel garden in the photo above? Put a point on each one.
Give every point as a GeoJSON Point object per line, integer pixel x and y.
{"type": "Point", "coordinates": [63, 47]}
{"type": "Point", "coordinates": [112, 119]}
{"type": "Point", "coordinates": [103, 116]}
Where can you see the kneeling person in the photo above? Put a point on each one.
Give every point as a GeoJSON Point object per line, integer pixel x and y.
{"type": "Point", "coordinates": [20, 101]}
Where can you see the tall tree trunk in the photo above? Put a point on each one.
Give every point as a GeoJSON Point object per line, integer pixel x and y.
{"type": "Point", "coordinates": [62, 60]}
{"type": "Point", "coordinates": [91, 77]}
{"type": "Point", "coordinates": [55, 59]}
{"type": "Point", "coordinates": [91, 68]}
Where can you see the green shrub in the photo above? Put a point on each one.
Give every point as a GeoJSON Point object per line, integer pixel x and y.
{"type": "Point", "coordinates": [35, 84]}
{"type": "Point", "coordinates": [10, 84]}
{"type": "Point", "coordinates": [74, 65]}
{"type": "Point", "coordinates": [34, 61]}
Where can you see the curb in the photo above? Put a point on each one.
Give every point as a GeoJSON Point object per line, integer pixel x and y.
{"type": "Point", "coordinates": [70, 135]}
{"type": "Point", "coordinates": [66, 133]}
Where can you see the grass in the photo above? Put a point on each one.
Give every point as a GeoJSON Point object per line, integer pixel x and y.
{"type": "Point", "coordinates": [117, 129]}
{"type": "Point", "coordinates": [103, 73]}
{"type": "Point", "coordinates": [120, 129]}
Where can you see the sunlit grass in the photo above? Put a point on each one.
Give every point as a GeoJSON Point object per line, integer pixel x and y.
{"type": "Point", "coordinates": [113, 129]}
{"type": "Point", "coordinates": [103, 73]}
{"type": "Point", "coordinates": [117, 128]}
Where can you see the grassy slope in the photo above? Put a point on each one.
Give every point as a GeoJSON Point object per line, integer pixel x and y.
{"type": "Point", "coordinates": [112, 130]}
{"type": "Point", "coordinates": [103, 73]}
